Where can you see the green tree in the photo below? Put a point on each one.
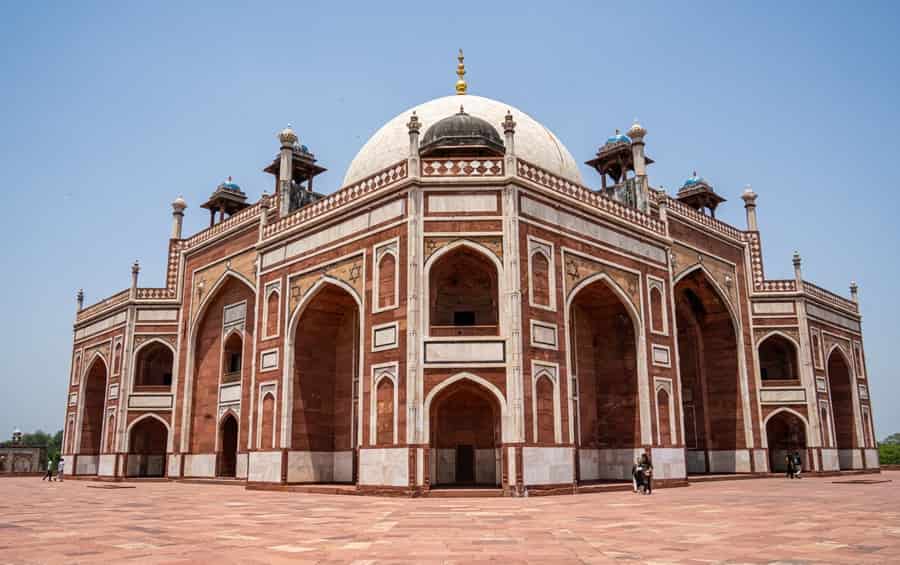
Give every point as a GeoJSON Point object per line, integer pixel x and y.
{"type": "Point", "coordinates": [889, 450]}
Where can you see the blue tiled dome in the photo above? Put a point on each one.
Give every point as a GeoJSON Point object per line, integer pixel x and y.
{"type": "Point", "coordinates": [618, 138]}
{"type": "Point", "coordinates": [230, 185]}
{"type": "Point", "coordinates": [693, 179]}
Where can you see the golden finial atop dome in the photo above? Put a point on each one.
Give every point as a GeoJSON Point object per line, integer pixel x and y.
{"type": "Point", "coordinates": [461, 73]}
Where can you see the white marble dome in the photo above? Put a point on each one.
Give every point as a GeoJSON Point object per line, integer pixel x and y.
{"type": "Point", "coordinates": [534, 142]}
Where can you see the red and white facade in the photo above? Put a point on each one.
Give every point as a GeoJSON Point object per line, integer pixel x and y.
{"type": "Point", "coordinates": [482, 319]}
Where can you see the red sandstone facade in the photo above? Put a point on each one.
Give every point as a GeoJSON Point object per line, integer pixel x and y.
{"type": "Point", "coordinates": [467, 316]}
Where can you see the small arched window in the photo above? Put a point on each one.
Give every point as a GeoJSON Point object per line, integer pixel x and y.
{"type": "Point", "coordinates": [232, 357]}
{"type": "Point", "coordinates": [272, 310]}
{"type": "Point", "coordinates": [387, 277]}
{"type": "Point", "coordinates": [153, 366]}
{"type": "Point", "coordinates": [540, 279]}
{"type": "Point", "coordinates": [777, 359]}
{"type": "Point", "coordinates": [665, 424]}
{"type": "Point", "coordinates": [657, 312]}
{"type": "Point", "coordinates": [384, 423]}
{"type": "Point", "coordinates": [545, 414]}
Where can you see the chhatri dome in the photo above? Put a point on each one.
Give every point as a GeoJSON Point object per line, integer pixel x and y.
{"type": "Point", "coordinates": [534, 142]}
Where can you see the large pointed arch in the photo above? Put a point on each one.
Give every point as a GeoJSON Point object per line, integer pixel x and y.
{"type": "Point", "coordinates": [712, 453]}
{"type": "Point", "coordinates": [845, 412]}
{"type": "Point", "coordinates": [640, 335]}
{"type": "Point", "coordinates": [188, 389]}
{"type": "Point", "coordinates": [92, 423]}
{"type": "Point", "coordinates": [148, 416]}
{"type": "Point", "coordinates": [293, 319]}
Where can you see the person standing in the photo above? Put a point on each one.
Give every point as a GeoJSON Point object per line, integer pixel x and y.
{"type": "Point", "coordinates": [637, 476]}
{"type": "Point", "coordinates": [798, 464]}
{"type": "Point", "coordinates": [647, 471]}
{"type": "Point", "coordinates": [48, 476]}
{"type": "Point", "coordinates": [789, 466]}
{"type": "Point", "coordinates": [60, 468]}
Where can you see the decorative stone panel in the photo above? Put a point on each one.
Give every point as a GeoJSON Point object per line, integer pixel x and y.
{"type": "Point", "coordinates": [494, 243]}
{"type": "Point", "coordinates": [245, 264]}
{"type": "Point", "coordinates": [684, 259]}
{"type": "Point", "coordinates": [782, 396]}
{"type": "Point", "coordinates": [348, 270]}
{"type": "Point", "coordinates": [579, 268]}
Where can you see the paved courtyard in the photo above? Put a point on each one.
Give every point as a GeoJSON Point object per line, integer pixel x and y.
{"type": "Point", "coordinates": [814, 520]}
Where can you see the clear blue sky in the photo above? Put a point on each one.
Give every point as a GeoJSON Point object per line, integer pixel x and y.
{"type": "Point", "coordinates": [110, 110]}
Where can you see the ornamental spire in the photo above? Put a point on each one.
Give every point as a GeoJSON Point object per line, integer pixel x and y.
{"type": "Point", "coordinates": [461, 73]}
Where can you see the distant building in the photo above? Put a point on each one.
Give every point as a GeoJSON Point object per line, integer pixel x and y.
{"type": "Point", "coordinates": [18, 457]}
{"type": "Point", "coordinates": [465, 311]}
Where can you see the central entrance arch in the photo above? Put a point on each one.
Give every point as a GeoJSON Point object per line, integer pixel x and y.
{"type": "Point", "coordinates": [786, 434]}
{"type": "Point", "coordinates": [714, 428]}
{"type": "Point", "coordinates": [604, 359]}
{"type": "Point", "coordinates": [325, 385]}
{"type": "Point", "coordinates": [465, 422]}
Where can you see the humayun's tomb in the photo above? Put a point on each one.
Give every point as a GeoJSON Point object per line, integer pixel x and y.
{"type": "Point", "coordinates": [466, 311]}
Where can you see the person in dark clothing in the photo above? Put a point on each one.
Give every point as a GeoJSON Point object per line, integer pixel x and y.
{"type": "Point", "coordinates": [789, 466]}
{"type": "Point", "coordinates": [798, 464]}
{"type": "Point", "coordinates": [48, 476]}
{"type": "Point", "coordinates": [637, 476]}
{"type": "Point", "coordinates": [647, 468]}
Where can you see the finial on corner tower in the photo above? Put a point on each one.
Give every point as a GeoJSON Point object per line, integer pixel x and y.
{"type": "Point", "coordinates": [461, 85]}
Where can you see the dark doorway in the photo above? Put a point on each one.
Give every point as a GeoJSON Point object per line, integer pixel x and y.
{"type": "Point", "coordinates": [465, 464]}
{"type": "Point", "coordinates": [228, 455]}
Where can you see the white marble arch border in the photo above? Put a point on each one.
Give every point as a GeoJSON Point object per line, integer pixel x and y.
{"type": "Point", "coordinates": [741, 350]}
{"type": "Point", "coordinates": [665, 383]}
{"type": "Point", "coordinates": [506, 424]}
{"type": "Point", "coordinates": [381, 371]}
{"type": "Point", "coordinates": [854, 391]}
{"type": "Point", "coordinates": [192, 343]}
{"type": "Point", "coordinates": [82, 385]}
{"type": "Point", "coordinates": [287, 381]}
{"type": "Point", "coordinates": [765, 424]}
{"type": "Point", "coordinates": [643, 375]}
{"type": "Point", "coordinates": [546, 370]}
{"type": "Point", "coordinates": [266, 388]}
{"type": "Point", "coordinates": [435, 258]}
{"type": "Point", "coordinates": [152, 416]}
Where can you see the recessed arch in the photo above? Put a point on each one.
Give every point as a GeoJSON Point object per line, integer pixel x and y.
{"type": "Point", "coordinates": [447, 321]}
{"type": "Point", "coordinates": [93, 402]}
{"type": "Point", "coordinates": [841, 393]}
{"type": "Point", "coordinates": [226, 456]}
{"type": "Point", "coordinates": [610, 403]}
{"type": "Point", "coordinates": [140, 419]}
{"type": "Point", "coordinates": [464, 417]}
{"type": "Point", "coordinates": [197, 435]}
{"type": "Point", "coordinates": [779, 357]}
{"type": "Point", "coordinates": [786, 432]}
{"type": "Point", "coordinates": [137, 378]}
{"type": "Point", "coordinates": [322, 367]}
{"type": "Point", "coordinates": [714, 390]}
{"type": "Point", "coordinates": [466, 376]}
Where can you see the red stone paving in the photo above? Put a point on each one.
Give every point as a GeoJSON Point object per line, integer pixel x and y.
{"type": "Point", "coordinates": [813, 520]}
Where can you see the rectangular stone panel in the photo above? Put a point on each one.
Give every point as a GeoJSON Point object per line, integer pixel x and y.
{"type": "Point", "coordinates": [773, 307]}
{"type": "Point", "coordinates": [384, 337]}
{"type": "Point", "coordinates": [230, 393]}
{"type": "Point", "coordinates": [783, 396]}
{"type": "Point", "coordinates": [101, 326]}
{"type": "Point", "coordinates": [337, 231]}
{"type": "Point", "coordinates": [200, 465]}
{"type": "Point", "coordinates": [440, 203]}
{"type": "Point", "coordinates": [150, 401]}
{"type": "Point", "coordinates": [269, 359]}
{"type": "Point", "coordinates": [543, 334]}
{"type": "Point", "coordinates": [264, 467]}
{"type": "Point", "coordinates": [486, 351]}
{"type": "Point", "coordinates": [833, 317]}
{"type": "Point", "coordinates": [593, 229]}
{"type": "Point", "coordinates": [548, 465]}
{"type": "Point", "coordinates": [157, 315]}
{"type": "Point", "coordinates": [384, 466]}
